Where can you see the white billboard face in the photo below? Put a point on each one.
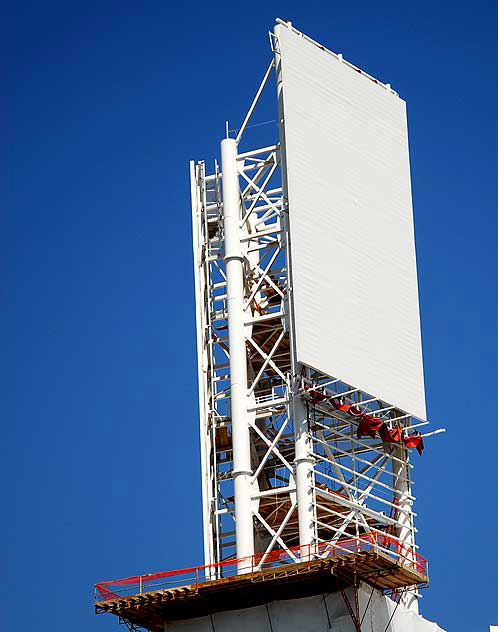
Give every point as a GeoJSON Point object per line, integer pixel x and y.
{"type": "Point", "coordinates": [354, 272]}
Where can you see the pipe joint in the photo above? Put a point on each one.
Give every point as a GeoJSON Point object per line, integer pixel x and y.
{"type": "Point", "coordinates": [305, 459]}
{"type": "Point", "coordinates": [240, 472]}
{"type": "Point", "coordinates": [234, 257]}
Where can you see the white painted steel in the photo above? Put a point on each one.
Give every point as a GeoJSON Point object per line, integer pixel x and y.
{"type": "Point", "coordinates": [234, 262]}
{"type": "Point", "coordinates": [351, 227]}
{"type": "Point", "coordinates": [302, 453]}
{"type": "Point", "coordinates": [404, 528]}
{"type": "Point", "coordinates": [303, 464]}
{"type": "Point", "coordinates": [255, 102]}
{"type": "Point", "coordinates": [283, 406]}
{"type": "Point", "coordinates": [262, 243]}
{"type": "Point", "coordinates": [202, 365]}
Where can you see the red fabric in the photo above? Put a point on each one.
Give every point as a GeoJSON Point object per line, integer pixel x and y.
{"type": "Point", "coordinates": [369, 426]}
{"type": "Point", "coordinates": [415, 441]}
{"type": "Point", "coordinates": [106, 594]}
{"type": "Point", "coordinates": [385, 434]}
{"type": "Point", "coordinates": [317, 397]}
{"type": "Point", "coordinates": [129, 581]}
{"type": "Point", "coordinates": [375, 422]}
{"type": "Point", "coordinates": [364, 429]}
{"type": "Point", "coordinates": [420, 446]}
{"type": "Point", "coordinates": [411, 442]}
{"type": "Point", "coordinates": [336, 403]}
{"type": "Point", "coordinates": [390, 436]}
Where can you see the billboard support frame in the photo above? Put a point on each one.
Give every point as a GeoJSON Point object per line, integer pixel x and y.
{"type": "Point", "coordinates": [307, 477]}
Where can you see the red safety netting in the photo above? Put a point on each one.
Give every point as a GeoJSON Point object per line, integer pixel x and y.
{"type": "Point", "coordinates": [120, 588]}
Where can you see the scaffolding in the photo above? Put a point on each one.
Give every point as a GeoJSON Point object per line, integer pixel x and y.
{"type": "Point", "coordinates": [150, 600]}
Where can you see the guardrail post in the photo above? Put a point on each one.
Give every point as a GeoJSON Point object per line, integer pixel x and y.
{"type": "Point", "coordinates": [376, 542]}
{"type": "Point", "coordinates": [140, 583]}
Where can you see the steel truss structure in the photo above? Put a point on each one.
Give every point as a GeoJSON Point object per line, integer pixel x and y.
{"type": "Point", "coordinates": [281, 462]}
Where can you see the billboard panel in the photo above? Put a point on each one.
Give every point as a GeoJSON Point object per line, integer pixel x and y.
{"type": "Point", "coordinates": [354, 272]}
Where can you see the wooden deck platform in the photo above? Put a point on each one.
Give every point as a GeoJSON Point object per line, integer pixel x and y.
{"type": "Point", "coordinates": [151, 609]}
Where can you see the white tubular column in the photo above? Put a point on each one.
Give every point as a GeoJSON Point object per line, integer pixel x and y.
{"type": "Point", "coordinates": [404, 530]}
{"type": "Point", "coordinates": [244, 534]}
{"type": "Point", "coordinates": [303, 464]}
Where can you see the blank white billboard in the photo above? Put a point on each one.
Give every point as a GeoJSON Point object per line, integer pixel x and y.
{"type": "Point", "coordinates": [350, 210]}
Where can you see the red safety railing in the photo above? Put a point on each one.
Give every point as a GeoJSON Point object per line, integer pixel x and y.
{"type": "Point", "coordinates": [193, 577]}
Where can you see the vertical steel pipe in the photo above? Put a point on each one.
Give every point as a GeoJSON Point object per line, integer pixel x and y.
{"type": "Point", "coordinates": [234, 262]}
{"type": "Point", "coordinates": [303, 464]}
{"type": "Point", "coordinates": [404, 530]}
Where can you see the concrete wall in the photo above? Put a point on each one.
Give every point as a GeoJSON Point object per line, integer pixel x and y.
{"type": "Point", "coordinates": [310, 615]}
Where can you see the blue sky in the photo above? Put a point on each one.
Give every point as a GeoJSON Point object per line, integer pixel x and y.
{"type": "Point", "coordinates": [104, 105]}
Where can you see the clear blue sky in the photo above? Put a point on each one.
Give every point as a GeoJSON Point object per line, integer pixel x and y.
{"type": "Point", "coordinates": [106, 103]}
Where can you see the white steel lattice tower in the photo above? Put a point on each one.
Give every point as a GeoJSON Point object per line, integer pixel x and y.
{"type": "Point", "coordinates": [308, 336]}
